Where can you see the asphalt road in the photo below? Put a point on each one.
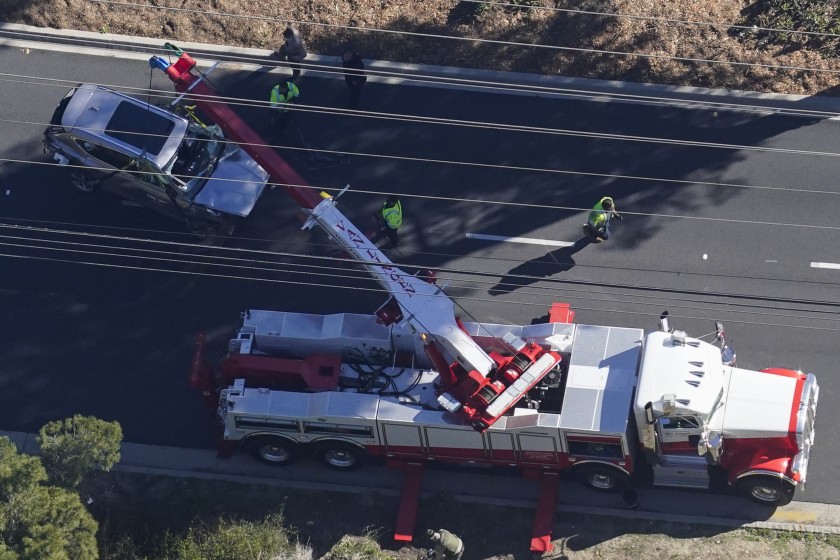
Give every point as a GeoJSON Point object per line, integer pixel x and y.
{"type": "Point", "coordinates": [115, 339]}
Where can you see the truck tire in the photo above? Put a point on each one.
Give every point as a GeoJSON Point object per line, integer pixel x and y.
{"type": "Point", "coordinates": [767, 490]}
{"type": "Point", "coordinates": [602, 478]}
{"type": "Point", "coordinates": [340, 456]}
{"type": "Point", "coordinates": [272, 450]}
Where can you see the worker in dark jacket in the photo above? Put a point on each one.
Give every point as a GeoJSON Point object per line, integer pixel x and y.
{"type": "Point", "coordinates": [447, 545]}
{"type": "Point", "coordinates": [354, 75]}
{"type": "Point", "coordinates": [390, 218]}
{"type": "Point", "coordinates": [292, 50]}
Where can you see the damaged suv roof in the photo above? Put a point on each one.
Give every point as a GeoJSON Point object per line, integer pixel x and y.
{"type": "Point", "coordinates": [97, 113]}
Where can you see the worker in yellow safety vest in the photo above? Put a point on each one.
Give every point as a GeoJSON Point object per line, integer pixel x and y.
{"type": "Point", "coordinates": [282, 95]}
{"type": "Point", "coordinates": [390, 218]}
{"type": "Point", "coordinates": [599, 217]}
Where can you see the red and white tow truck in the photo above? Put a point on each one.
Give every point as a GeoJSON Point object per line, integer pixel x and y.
{"type": "Point", "coordinates": [413, 384]}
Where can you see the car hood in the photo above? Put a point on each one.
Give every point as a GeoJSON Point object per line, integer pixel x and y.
{"type": "Point", "coordinates": [235, 185]}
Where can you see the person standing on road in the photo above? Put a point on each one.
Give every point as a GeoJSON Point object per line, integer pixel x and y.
{"type": "Point", "coordinates": [282, 95]}
{"type": "Point", "coordinates": [292, 50]}
{"type": "Point", "coordinates": [447, 545]}
{"type": "Point", "coordinates": [390, 219]}
{"type": "Point", "coordinates": [354, 75]}
{"type": "Point", "coordinates": [599, 218]}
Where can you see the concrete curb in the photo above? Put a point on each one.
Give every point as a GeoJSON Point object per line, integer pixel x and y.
{"type": "Point", "coordinates": [203, 464]}
{"type": "Point", "coordinates": [108, 44]}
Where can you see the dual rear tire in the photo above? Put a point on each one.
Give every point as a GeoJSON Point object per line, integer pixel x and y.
{"type": "Point", "coordinates": [280, 452]}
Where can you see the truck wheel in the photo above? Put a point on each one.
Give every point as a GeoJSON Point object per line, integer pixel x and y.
{"type": "Point", "coordinates": [340, 456]}
{"type": "Point", "coordinates": [767, 490]}
{"type": "Point", "coordinates": [274, 450]}
{"type": "Point", "coordinates": [601, 477]}
{"type": "Point", "coordinates": [84, 182]}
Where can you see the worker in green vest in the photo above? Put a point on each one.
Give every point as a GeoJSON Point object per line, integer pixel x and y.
{"type": "Point", "coordinates": [599, 218]}
{"type": "Point", "coordinates": [447, 545]}
{"type": "Point", "coordinates": [390, 218]}
{"type": "Point", "coordinates": [282, 95]}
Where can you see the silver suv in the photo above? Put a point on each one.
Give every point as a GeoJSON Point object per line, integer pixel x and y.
{"type": "Point", "coordinates": [178, 167]}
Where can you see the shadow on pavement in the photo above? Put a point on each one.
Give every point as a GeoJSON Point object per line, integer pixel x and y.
{"type": "Point", "coordinates": [553, 262]}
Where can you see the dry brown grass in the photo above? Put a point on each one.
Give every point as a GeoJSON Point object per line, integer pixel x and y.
{"type": "Point", "coordinates": [264, 21]}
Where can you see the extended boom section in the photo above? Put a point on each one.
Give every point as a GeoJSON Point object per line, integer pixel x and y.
{"type": "Point", "coordinates": [479, 386]}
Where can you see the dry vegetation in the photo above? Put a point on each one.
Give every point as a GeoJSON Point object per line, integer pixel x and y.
{"type": "Point", "coordinates": [331, 24]}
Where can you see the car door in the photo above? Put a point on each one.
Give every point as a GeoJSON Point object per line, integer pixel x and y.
{"type": "Point", "coordinates": [679, 434]}
{"type": "Point", "coordinates": [106, 166]}
{"type": "Point", "coordinates": [155, 189]}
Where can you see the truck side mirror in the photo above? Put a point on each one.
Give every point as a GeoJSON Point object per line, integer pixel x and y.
{"type": "Point", "coordinates": [649, 413]}
{"type": "Point", "coordinates": [711, 443]}
{"type": "Point", "coordinates": [648, 434]}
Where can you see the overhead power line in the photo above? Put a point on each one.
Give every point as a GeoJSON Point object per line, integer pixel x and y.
{"type": "Point", "coordinates": [418, 119]}
{"type": "Point", "coordinates": [647, 56]}
{"type": "Point", "coordinates": [492, 86]}
{"type": "Point", "coordinates": [479, 201]}
{"type": "Point", "coordinates": [229, 262]}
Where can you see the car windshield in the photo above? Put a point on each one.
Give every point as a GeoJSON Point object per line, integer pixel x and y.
{"type": "Point", "coordinates": [195, 159]}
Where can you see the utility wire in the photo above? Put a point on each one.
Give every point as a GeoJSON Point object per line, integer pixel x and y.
{"type": "Point", "coordinates": [330, 272]}
{"type": "Point", "coordinates": [356, 288]}
{"type": "Point", "coordinates": [418, 119]}
{"type": "Point", "coordinates": [562, 284]}
{"type": "Point", "coordinates": [492, 86]}
{"type": "Point", "coordinates": [473, 164]}
{"type": "Point", "coordinates": [471, 200]}
{"type": "Point", "coordinates": [474, 40]}
{"type": "Point", "coordinates": [229, 262]}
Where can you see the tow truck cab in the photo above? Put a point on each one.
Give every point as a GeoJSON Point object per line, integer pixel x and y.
{"type": "Point", "coordinates": [697, 412]}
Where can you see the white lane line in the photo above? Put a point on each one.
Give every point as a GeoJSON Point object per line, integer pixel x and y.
{"type": "Point", "coordinates": [528, 240]}
{"type": "Point", "coordinates": [834, 266]}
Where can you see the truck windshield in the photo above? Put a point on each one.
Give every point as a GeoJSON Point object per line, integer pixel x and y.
{"type": "Point", "coordinates": [195, 160]}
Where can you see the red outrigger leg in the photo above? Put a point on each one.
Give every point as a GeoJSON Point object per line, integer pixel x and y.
{"type": "Point", "coordinates": [544, 516]}
{"type": "Point", "coordinates": [407, 514]}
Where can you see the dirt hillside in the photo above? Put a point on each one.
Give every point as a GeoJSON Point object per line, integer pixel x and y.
{"type": "Point", "coordinates": [510, 30]}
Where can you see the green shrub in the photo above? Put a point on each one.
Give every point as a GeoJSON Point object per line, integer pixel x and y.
{"type": "Point", "coordinates": [363, 547]}
{"type": "Point", "coordinates": [240, 540]}
{"type": "Point", "coordinates": [74, 447]}
{"type": "Point", "coordinates": [815, 16]}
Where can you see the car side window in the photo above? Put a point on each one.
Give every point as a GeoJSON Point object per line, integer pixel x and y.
{"type": "Point", "coordinates": [111, 157]}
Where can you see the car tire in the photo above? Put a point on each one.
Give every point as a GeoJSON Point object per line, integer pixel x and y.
{"type": "Point", "coordinates": [340, 456]}
{"type": "Point", "coordinates": [767, 490]}
{"type": "Point", "coordinates": [84, 182]}
{"type": "Point", "coordinates": [602, 478]}
{"type": "Point", "coordinates": [273, 450]}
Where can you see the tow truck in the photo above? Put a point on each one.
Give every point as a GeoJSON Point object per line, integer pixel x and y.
{"type": "Point", "coordinates": [413, 384]}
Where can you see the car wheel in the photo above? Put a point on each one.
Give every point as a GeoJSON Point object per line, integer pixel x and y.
{"type": "Point", "coordinates": [340, 456]}
{"type": "Point", "coordinates": [767, 490]}
{"type": "Point", "coordinates": [274, 450]}
{"type": "Point", "coordinates": [84, 182]}
{"type": "Point", "coordinates": [601, 477]}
